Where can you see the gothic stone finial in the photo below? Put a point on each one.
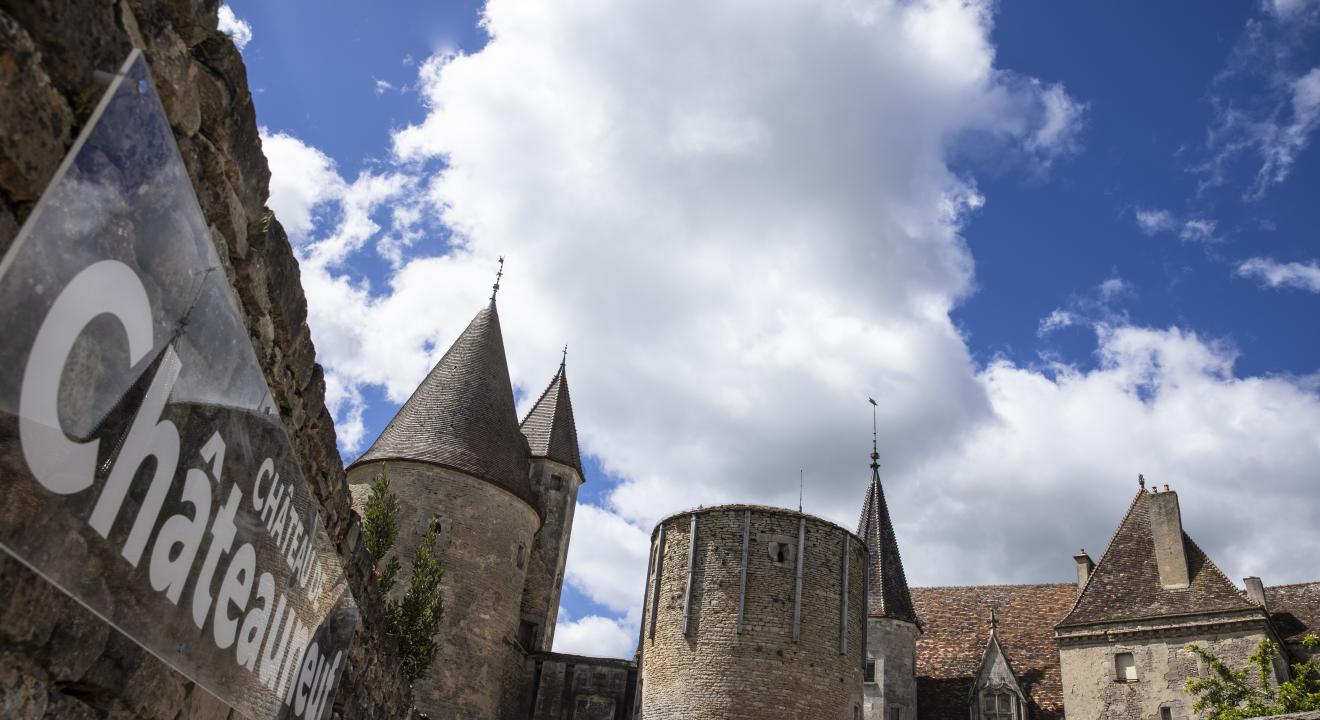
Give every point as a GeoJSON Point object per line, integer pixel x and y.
{"type": "Point", "coordinates": [994, 619]}
{"type": "Point", "coordinates": [495, 289]}
{"type": "Point", "coordinates": [1141, 480]}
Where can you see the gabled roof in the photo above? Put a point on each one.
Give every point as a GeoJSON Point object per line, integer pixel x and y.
{"type": "Point", "coordinates": [995, 670]}
{"type": "Point", "coordinates": [1125, 584]}
{"type": "Point", "coordinates": [889, 594]}
{"type": "Point", "coordinates": [951, 648]}
{"type": "Point", "coordinates": [549, 426]}
{"type": "Point", "coordinates": [462, 416]}
{"type": "Point", "coordinates": [1295, 610]}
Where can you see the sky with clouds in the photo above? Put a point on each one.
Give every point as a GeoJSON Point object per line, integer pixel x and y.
{"type": "Point", "coordinates": [1060, 244]}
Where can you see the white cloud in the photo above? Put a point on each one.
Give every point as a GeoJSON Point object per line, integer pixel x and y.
{"type": "Point", "coordinates": [240, 31]}
{"type": "Point", "coordinates": [1272, 273]}
{"type": "Point", "coordinates": [1153, 222]}
{"type": "Point", "coordinates": [1056, 320]}
{"type": "Point", "coordinates": [742, 219]}
{"type": "Point", "coordinates": [1198, 230]}
{"type": "Point", "coordinates": [596, 636]}
{"type": "Point", "coordinates": [382, 86]}
{"type": "Point", "coordinates": [1291, 9]}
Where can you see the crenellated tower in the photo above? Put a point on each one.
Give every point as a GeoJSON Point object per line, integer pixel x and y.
{"type": "Point", "coordinates": [556, 474]}
{"type": "Point", "coordinates": [890, 683]}
{"type": "Point", "coordinates": [458, 462]}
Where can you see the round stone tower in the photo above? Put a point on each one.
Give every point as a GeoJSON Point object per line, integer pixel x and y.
{"type": "Point", "coordinates": [753, 613]}
{"type": "Point", "coordinates": [458, 462]}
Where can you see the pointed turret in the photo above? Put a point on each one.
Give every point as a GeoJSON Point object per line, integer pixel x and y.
{"type": "Point", "coordinates": [549, 426]}
{"type": "Point", "coordinates": [462, 416]}
{"type": "Point", "coordinates": [889, 589]}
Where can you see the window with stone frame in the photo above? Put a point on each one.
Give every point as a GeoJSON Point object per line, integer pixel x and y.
{"type": "Point", "coordinates": [1125, 667]}
{"type": "Point", "coordinates": [998, 705]}
{"type": "Point", "coordinates": [895, 712]}
{"type": "Point", "coordinates": [1166, 713]}
{"type": "Point", "coordinates": [868, 675]}
{"type": "Point", "coordinates": [556, 482]}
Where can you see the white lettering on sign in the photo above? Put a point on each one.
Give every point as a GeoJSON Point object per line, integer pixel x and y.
{"type": "Point", "coordinates": [247, 613]}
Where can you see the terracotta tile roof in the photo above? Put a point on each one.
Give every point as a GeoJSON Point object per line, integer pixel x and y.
{"type": "Point", "coordinates": [1295, 610]}
{"type": "Point", "coordinates": [462, 416]}
{"type": "Point", "coordinates": [957, 629]}
{"type": "Point", "coordinates": [1125, 584]}
{"type": "Point", "coordinates": [549, 426]}
{"type": "Point", "coordinates": [889, 594]}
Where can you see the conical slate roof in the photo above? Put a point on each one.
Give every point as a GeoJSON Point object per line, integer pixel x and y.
{"type": "Point", "coordinates": [889, 595]}
{"type": "Point", "coordinates": [462, 416]}
{"type": "Point", "coordinates": [549, 427]}
{"type": "Point", "coordinates": [1125, 584]}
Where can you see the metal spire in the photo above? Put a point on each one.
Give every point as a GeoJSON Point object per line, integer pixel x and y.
{"type": "Point", "coordinates": [563, 359]}
{"type": "Point", "coordinates": [875, 437]}
{"type": "Point", "coordinates": [799, 489]}
{"type": "Point", "coordinates": [495, 289]}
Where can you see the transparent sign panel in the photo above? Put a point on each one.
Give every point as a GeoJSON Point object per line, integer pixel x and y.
{"type": "Point", "coordinates": [146, 472]}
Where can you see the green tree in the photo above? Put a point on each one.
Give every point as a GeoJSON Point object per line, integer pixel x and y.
{"type": "Point", "coordinates": [379, 528]}
{"type": "Point", "coordinates": [413, 620]}
{"type": "Point", "coordinates": [1228, 694]}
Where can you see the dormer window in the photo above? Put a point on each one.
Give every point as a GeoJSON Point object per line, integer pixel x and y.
{"type": "Point", "coordinates": [998, 705]}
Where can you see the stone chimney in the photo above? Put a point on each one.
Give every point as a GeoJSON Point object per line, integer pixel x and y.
{"type": "Point", "coordinates": [1166, 528]}
{"type": "Point", "coordinates": [1084, 568]}
{"type": "Point", "coordinates": [1256, 589]}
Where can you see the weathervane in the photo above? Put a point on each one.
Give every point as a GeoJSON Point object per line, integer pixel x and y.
{"type": "Point", "coordinates": [495, 289]}
{"type": "Point", "coordinates": [563, 359]}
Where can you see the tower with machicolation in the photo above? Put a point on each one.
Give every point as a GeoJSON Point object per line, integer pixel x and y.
{"type": "Point", "coordinates": [750, 613]}
{"type": "Point", "coordinates": [501, 495]}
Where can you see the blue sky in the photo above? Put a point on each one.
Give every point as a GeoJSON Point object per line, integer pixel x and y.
{"type": "Point", "coordinates": [1064, 243]}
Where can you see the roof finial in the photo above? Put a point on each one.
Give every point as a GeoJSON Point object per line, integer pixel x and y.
{"type": "Point", "coordinates": [994, 619]}
{"type": "Point", "coordinates": [495, 289]}
{"type": "Point", "coordinates": [875, 437]}
{"type": "Point", "coordinates": [563, 359]}
{"type": "Point", "coordinates": [800, 473]}
{"type": "Point", "coordinates": [1141, 480]}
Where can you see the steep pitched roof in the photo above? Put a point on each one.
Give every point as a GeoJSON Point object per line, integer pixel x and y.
{"type": "Point", "coordinates": [995, 669]}
{"type": "Point", "coordinates": [462, 416]}
{"type": "Point", "coordinates": [951, 648]}
{"type": "Point", "coordinates": [1125, 584]}
{"type": "Point", "coordinates": [1295, 610]}
{"type": "Point", "coordinates": [549, 426]}
{"type": "Point", "coordinates": [889, 594]}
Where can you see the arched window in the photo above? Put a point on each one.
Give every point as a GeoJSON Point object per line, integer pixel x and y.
{"type": "Point", "coordinates": [998, 705]}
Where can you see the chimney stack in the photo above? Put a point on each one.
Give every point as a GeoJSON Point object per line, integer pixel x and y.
{"type": "Point", "coordinates": [1084, 568]}
{"type": "Point", "coordinates": [1166, 528]}
{"type": "Point", "coordinates": [1256, 589]}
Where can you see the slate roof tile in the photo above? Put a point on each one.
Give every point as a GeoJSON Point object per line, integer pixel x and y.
{"type": "Point", "coordinates": [1125, 584]}
{"type": "Point", "coordinates": [549, 426]}
{"type": "Point", "coordinates": [462, 416]}
{"type": "Point", "coordinates": [889, 593]}
{"type": "Point", "coordinates": [1295, 610]}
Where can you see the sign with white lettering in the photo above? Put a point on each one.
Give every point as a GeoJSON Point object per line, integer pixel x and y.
{"type": "Point", "coordinates": [143, 467]}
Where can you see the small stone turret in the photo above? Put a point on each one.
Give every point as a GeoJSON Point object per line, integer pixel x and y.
{"type": "Point", "coordinates": [892, 626]}
{"type": "Point", "coordinates": [458, 462]}
{"type": "Point", "coordinates": [555, 477]}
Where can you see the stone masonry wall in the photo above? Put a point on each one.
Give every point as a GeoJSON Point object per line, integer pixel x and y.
{"type": "Point", "coordinates": [569, 687]}
{"type": "Point", "coordinates": [762, 673]}
{"type": "Point", "coordinates": [892, 644]}
{"type": "Point", "coordinates": [479, 670]}
{"type": "Point", "coordinates": [545, 569]}
{"type": "Point", "coordinates": [57, 660]}
{"type": "Point", "coordinates": [1091, 688]}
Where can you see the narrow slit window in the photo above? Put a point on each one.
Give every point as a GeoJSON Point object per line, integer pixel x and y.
{"type": "Point", "coordinates": [1166, 713]}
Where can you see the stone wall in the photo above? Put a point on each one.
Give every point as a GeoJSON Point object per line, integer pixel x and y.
{"type": "Point", "coordinates": [545, 569]}
{"type": "Point", "coordinates": [892, 644]}
{"type": "Point", "coordinates": [484, 530]}
{"type": "Point", "coordinates": [1091, 687]}
{"type": "Point", "coordinates": [56, 659]}
{"type": "Point", "coordinates": [762, 673]}
{"type": "Point", "coordinates": [569, 687]}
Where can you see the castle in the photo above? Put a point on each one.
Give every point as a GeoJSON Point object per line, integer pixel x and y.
{"type": "Point", "coordinates": [764, 613]}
